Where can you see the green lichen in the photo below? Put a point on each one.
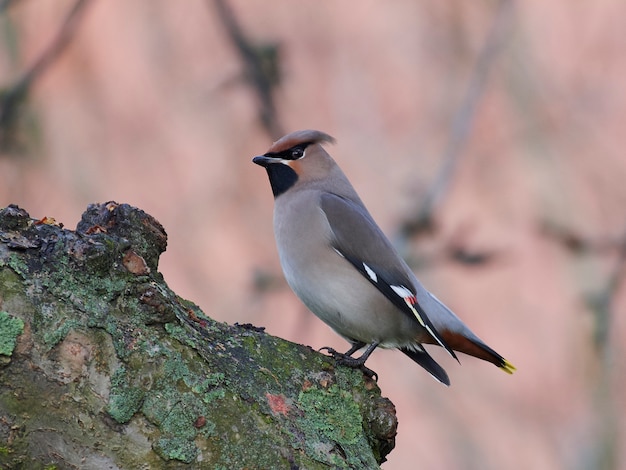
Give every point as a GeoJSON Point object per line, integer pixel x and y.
{"type": "Point", "coordinates": [245, 440]}
{"type": "Point", "coordinates": [210, 388]}
{"type": "Point", "coordinates": [349, 379]}
{"type": "Point", "coordinates": [54, 337]}
{"type": "Point", "coordinates": [124, 399]}
{"type": "Point", "coordinates": [179, 397]}
{"type": "Point", "coordinates": [215, 379]}
{"type": "Point", "coordinates": [178, 332]}
{"type": "Point", "coordinates": [18, 265]}
{"type": "Point", "coordinates": [91, 294]}
{"type": "Point", "coordinates": [175, 414]}
{"type": "Point", "coordinates": [332, 424]}
{"type": "Point", "coordinates": [10, 329]}
{"type": "Point", "coordinates": [176, 448]}
{"type": "Point", "coordinates": [338, 415]}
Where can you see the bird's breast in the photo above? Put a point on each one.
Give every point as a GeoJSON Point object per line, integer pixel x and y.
{"type": "Point", "coordinates": [327, 283]}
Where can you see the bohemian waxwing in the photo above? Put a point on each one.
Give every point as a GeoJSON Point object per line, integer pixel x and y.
{"type": "Point", "coordinates": [345, 270]}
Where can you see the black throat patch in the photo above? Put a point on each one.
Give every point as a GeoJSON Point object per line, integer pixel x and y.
{"type": "Point", "coordinates": [282, 177]}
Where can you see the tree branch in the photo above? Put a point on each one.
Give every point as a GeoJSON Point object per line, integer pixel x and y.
{"type": "Point", "coordinates": [14, 97]}
{"type": "Point", "coordinates": [462, 123]}
{"type": "Point", "coordinates": [103, 366]}
{"type": "Point", "coordinates": [262, 68]}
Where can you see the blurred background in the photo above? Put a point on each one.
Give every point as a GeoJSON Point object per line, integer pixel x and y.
{"type": "Point", "coordinates": [487, 139]}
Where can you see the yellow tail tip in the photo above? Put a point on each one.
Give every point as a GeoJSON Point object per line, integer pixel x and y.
{"type": "Point", "coordinates": [507, 367]}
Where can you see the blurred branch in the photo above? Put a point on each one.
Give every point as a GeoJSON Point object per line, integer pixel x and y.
{"type": "Point", "coordinates": [460, 250]}
{"type": "Point", "coordinates": [605, 445]}
{"type": "Point", "coordinates": [576, 243]}
{"type": "Point", "coordinates": [462, 122]}
{"type": "Point", "coordinates": [4, 4]}
{"type": "Point", "coordinates": [602, 450]}
{"type": "Point", "coordinates": [262, 68]}
{"type": "Point", "coordinates": [602, 303]}
{"type": "Point", "coordinates": [12, 98]}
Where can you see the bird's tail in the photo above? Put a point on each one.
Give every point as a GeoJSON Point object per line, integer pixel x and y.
{"type": "Point", "coordinates": [419, 355]}
{"type": "Point", "coordinates": [475, 347]}
{"type": "Point", "coordinates": [456, 335]}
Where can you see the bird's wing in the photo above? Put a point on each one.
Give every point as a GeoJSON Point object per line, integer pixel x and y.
{"type": "Point", "coordinates": [359, 240]}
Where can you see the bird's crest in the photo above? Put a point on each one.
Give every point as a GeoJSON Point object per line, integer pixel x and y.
{"type": "Point", "coordinates": [307, 136]}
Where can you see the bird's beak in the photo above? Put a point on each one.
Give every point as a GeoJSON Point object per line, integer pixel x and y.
{"type": "Point", "coordinates": [264, 161]}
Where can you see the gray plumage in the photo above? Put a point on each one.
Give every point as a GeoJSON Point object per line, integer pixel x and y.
{"type": "Point", "coordinates": [344, 269]}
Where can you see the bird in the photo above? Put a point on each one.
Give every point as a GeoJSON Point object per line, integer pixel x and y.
{"type": "Point", "coordinates": [345, 270]}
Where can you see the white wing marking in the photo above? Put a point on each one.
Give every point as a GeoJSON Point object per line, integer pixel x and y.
{"type": "Point", "coordinates": [370, 273]}
{"type": "Point", "coordinates": [410, 300]}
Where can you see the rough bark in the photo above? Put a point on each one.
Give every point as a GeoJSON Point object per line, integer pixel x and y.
{"type": "Point", "coordinates": [102, 366]}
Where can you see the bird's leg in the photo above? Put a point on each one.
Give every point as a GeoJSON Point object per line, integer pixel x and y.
{"type": "Point", "coordinates": [355, 347]}
{"type": "Point", "coordinates": [334, 353]}
{"type": "Point", "coordinates": [346, 359]}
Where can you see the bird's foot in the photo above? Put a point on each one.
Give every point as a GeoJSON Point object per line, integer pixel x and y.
{"type": "Point", "coordinates": [344, 359]}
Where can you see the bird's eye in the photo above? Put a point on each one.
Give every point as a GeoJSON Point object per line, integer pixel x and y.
{"type": "Point", "coordinates": [297, 152]}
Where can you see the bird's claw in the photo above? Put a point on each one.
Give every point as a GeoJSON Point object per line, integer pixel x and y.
{"type": "Point", "coordinates": [330, 351]}
{"type": "Point", "coordinates": [343, 359]}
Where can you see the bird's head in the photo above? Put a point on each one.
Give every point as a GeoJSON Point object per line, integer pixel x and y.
{"type": "Point", "coordinates": [296, 158]}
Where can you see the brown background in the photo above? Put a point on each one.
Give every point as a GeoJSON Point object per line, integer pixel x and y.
{"type": "Point", "coordinates": [149, 105]}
